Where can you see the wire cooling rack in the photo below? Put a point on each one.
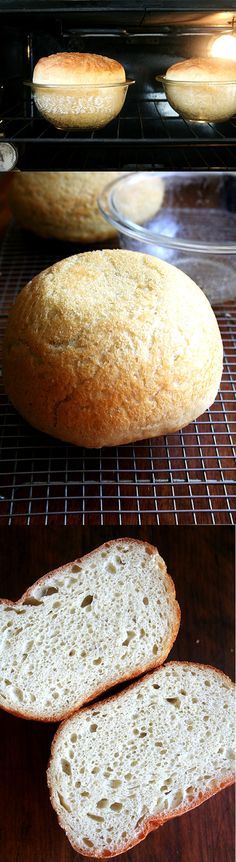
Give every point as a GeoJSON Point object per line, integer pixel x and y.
{"type": "Point", "coordinates": [186, 478]}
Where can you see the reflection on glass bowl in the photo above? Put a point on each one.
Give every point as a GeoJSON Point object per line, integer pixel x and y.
{"type": "Point", "coordinates": [79, 106]}
{"type": "Point", "coordinates": [193, 228]}
{"type": "Point", "coordinates": [201, 101]}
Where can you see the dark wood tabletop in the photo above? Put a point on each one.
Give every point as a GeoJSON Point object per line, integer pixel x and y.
{"type": "Point", "coordinates": [201, 564]}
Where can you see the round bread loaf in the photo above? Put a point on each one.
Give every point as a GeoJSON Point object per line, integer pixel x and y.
{"type": "Point", "coordinates": [109, 347]}
{"type": "Point", "coordinates": [76, 68]}
{"type": "Point", "coordinates": [213, 94]}
{"type": "Point", "coordinates": [61, 204]}
{"type": "Point", "coordinates": [90, 104]}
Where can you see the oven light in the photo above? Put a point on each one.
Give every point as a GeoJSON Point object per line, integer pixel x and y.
{"type": "Point", "coordinates": [224, 46]}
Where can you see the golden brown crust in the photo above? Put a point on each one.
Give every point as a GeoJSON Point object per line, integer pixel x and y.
{"type": "Point", "coordinates": [203, 69]}
{"type": "Point", "coordinates": [109, 347]}
{"type": "Point", "coordinates": [113, 682]}
{"type": "Point", "coordinates": [62, 204]}
{"type": "Point", "coordinates": [154, 822]}
{"type": "Point", "coordinates": [74, 67]}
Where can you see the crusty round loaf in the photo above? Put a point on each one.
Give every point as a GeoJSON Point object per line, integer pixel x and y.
{"type": "Point", "coordinates": [210, 100]}
{"type": "Point", "coordinates": [61, 204]}
{"type": "Point", "coordinates": [76, 68]}
{"type": "Point", "coordinates": [203, 69]}
{"type": "Point", "coordinates": [111, 346]}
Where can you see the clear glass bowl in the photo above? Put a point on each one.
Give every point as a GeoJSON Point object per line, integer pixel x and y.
{"type": "Point", "coordinates": [79, 106]}
{"type": "Point", "coordinates": [187, 219]}
{"type": "Point", "coordinates": [201, 101]}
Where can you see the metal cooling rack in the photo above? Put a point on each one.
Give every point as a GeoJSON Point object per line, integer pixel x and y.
{"type": "Point", "coordinates": [146, 133]}
{"type": "Point", "coordinates": [186, 478]}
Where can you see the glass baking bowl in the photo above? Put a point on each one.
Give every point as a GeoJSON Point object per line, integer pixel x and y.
{"type": "Point", "coordinates": [79, 106]}
{"type": "Point", "coordinates": [201, 101]}
{"type": "Point", "coordinates": [187, 219]}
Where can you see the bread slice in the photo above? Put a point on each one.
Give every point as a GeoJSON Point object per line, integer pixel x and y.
{"type": "Point", "coordinates": [83, 628]}
{"type": "Point", "coordinates": [123, 766]}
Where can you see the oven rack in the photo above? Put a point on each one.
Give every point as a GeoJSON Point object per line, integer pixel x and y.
{"type": "Point", "coordinates": [147, 133]}
{"type": "Point", "coordinates": [186, 478]}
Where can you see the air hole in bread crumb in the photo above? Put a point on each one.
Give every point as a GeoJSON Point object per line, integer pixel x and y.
{"type": "Point", "coordinates": [78, 783]}
{"type": "Point", "coordinates": [55, 694]}
{"type": "Point", "coordinates": [7, 681]}
{"type": "Point", "coordinates": [93, 728]}
{"type": "Point", "coordinates": [111, 568]}
{"type": "Point", "coordinates": [97, 661]}
{"type": "Point", "coordinates": [85, 794]}
{"type": "Point", "coordinates": [155, 649]}
{"type": "Point", "coordinates": [32, 601]}
{"type": "Point", "coordinates": [128, 776]}
{"type": "Point", "coordinates": [66, 767]}
{"type": "Point", "coordinates": [87, 601]}
{"type": "Point", "coordinates": [139, 821]}
{"type": "Point", "coordinates": [95, 770]}
{"type": "Point", "coordinates": [18, 693]}
{"type": "Point", "coordinates": [207, 683]}
{"type": "Point", "coordinates": [115, 782]}
{"type": "Point", "coordinates": [116, 806]}
{"type": "Point", "coordinates": [175, 701]}
{"type": "Point", "coordinates": [87, 842]}
{"type": "Point", "coordinates": [145, 600]}
{"type": "Point", "coordinates": [102, 803]}
{"type": "Point", "coordinates": [142, 633]}
{"type": "Point", "coordinates": [74, 737]}
{"type": "Point", "coordinates": [76, 568]}
{"type": "Point", "coordinates": [95, 817]}
{"type": "Point", "coordinates": [48, 591]}
{"type": "Point", "coordinates": [156, 686]}
{"type": "Point", "coordinates": [130, 636]}
{"type": "Point", "coordinates": [64, 803]}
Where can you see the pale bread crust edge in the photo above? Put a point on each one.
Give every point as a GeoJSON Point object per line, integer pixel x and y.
{"type": "Point", "coordinates": [113, 682]}
{"type": "Point", "coordinates": [154, 822]}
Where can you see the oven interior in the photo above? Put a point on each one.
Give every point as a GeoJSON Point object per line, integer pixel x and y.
{"type": "Point", "coordinates": [147, 133]}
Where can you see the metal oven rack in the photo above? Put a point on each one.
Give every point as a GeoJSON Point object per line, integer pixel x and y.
{"type": "Point", "coordinates": [187, 478]}
{"type": "Point", "coordinates": [147, 134]}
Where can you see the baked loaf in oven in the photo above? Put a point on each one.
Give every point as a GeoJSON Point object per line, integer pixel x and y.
{"type": "Point", "coordinates": [77, 68]}
{"type": "Point", "coordinates": [207, 99]}
{"type": "Point", "coordinates": [90, 104]}
{"type": "Point", "coordinates": [111, 346]}
{"type": "Point", "coordinates": [61, 204]}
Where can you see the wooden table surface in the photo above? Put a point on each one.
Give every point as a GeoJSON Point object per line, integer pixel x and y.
{"type": "Point", "coordinates": [201, 563]}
